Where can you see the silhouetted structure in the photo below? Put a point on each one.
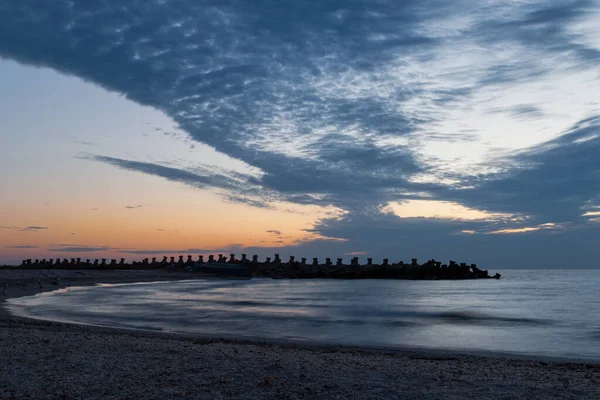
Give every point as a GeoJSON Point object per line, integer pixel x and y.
{"type": "Point", "coordinates": [275, 268]}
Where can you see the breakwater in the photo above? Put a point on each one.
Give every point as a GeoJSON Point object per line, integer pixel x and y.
{"type": "Point", "coordinates": [277, 268]}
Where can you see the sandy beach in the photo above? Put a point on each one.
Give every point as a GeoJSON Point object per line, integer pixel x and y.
{"type": "Point", "coordinates": [49, 360]}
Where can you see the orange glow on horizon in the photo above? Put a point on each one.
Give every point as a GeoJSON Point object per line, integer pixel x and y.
{"type": "Point", "coordinates": [176, 220]}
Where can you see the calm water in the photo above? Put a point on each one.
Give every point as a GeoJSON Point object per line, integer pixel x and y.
{"type": "Point", "coordinates": [541, 312]}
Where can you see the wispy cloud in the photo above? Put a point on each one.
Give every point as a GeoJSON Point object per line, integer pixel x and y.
{"type": "Point", "coordinates": [547, 226]}
{"type": "Point", "coordinates": [173, 251]}
{"type": "Point", "coordinates": [77, 248]}
{"type": "Point", "coordinates": [24, 246]}
{"type": "Point", "coordinates": [239, 188]}
{"type": "Point", "coordinates": [33, 228]}
{"type": "Point", "coordinates": [357, 253]}
{"type": "Point", "coordinates": [85, 143]}
{"type": "Point", "coordinates": [138, 206]}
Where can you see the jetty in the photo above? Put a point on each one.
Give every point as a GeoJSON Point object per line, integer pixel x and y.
{"type": "Point", "coordinates": [277, 268]}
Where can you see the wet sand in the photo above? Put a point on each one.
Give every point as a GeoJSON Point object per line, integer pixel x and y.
{"type": "Point", "coordinates": [40, 359]}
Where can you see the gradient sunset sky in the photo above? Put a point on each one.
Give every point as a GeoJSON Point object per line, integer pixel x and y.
{"type": "Point", "coordinates": [433, 129]}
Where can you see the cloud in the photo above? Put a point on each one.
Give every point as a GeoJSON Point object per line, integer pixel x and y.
{"type": "Point", "coordinates": [355, 104]}
{"type": "Point", "coordinates": [527, 111]}
{"type": "Point", "coordinates": [442, 210]}
{"type": "Point", "coordinates": [357, 253]}
{"type": "Point", "coordinates": [138, 206]}
{"type": "Point", "coordinates": [546, 26]}
{"type": "Point", "coordinates": [274, 232]}
{"type": "Point", "coordinates": [75, 248]}
{"type": "Point", "coordinates": [218, 82]}
{"type": "Point", "coordinates": [167, 230]}
{"type": "Point", "coordinates": [33, 228]}
{"type": "Point", "coordinates": [547, 226]}
{"type": "Point", "coordinates": [389, 236]}
{"type": "Point", "coordinates": [173, 251]}
{"type": "Point", "coordinates": [337, 119]}
{"type": "Point", "coordinates": [548, 182]}
{"type": "Point", "coordinates": [201, 177]}
{"type": "Point", "coordinates": [85, 143]}
{"type": "Point", "coordinates": [169, 173]}
{"type": "Point", "coordinates": [25, 246]}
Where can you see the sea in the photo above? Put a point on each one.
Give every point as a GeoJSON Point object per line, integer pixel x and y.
{"type": "Point", "coordinates": [551, 313]}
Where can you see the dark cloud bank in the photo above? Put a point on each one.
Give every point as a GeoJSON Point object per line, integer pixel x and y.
{"type": "Point", "coordinates": [229, 73]}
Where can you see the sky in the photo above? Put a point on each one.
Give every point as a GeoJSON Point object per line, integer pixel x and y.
{"type": "Point", "coordinates": [414, 129]}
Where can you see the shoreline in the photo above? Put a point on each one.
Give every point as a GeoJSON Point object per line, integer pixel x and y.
{"type": "Point", "coordinates": [252, 368]}
{"type": "Point", "coordinates": [82, 278]}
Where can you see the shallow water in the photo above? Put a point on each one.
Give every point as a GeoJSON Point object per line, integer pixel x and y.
{"type": "Point", "coordinates": [532, 312]}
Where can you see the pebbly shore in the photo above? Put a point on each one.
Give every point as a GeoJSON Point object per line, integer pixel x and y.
{"type": "Point", "coordinates": [48, 360]}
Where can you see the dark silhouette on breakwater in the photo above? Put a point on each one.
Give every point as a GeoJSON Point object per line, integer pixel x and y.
{"type": "Point", "coordinates": [276, 268]}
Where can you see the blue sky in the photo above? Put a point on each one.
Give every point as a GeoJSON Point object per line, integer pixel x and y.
{"type": "Point", "coordinates": [393, 129]}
